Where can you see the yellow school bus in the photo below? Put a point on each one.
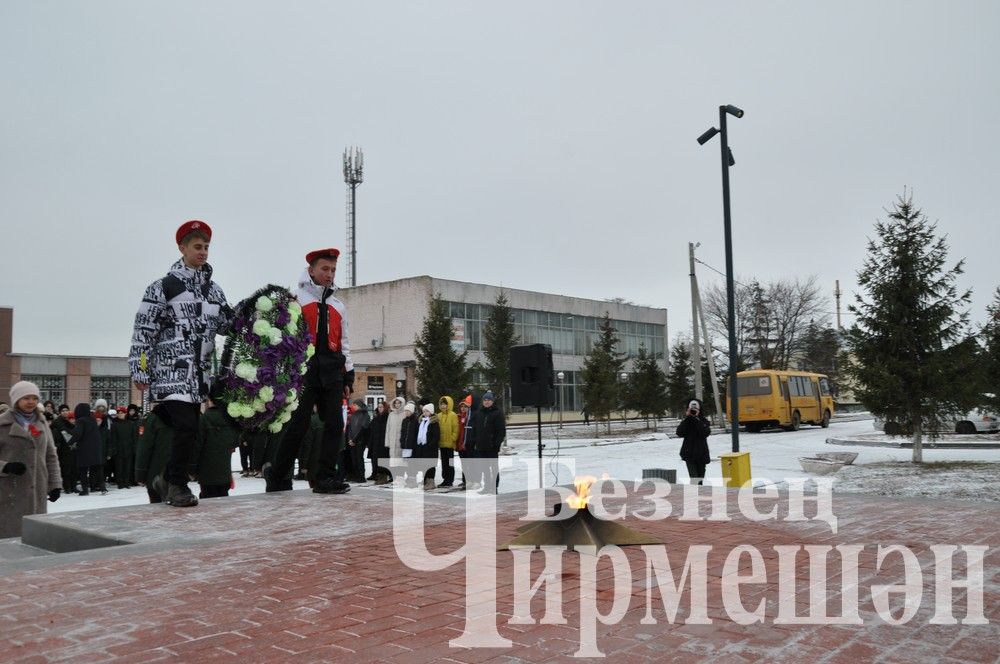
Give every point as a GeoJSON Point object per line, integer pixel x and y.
{"type": "Point", "coordinates": [782, 398]}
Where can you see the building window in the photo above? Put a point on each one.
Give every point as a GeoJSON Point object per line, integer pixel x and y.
{"type": "Point", "coordinates": [113, 389]}
{"type": "Point", "coordinates": [567, 334]}
{"type": "Point", "coordinates": [52, 388]}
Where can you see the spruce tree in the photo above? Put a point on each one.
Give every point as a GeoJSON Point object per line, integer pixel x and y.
{"type": "Point", "coordinates": [601, 367]}
{"type": "Point", "coordinates": [440, 370]}
{"type": "Point", "coordinates": [991, 353]}
{"type": "Point", "coordinates": [646, 389]}
{"type": "Point", "coordinates": [909, 344]}
{"type": "Point", "coordinates": [498, 338]}
{"type": "Point", "coordinates": [680, 380]}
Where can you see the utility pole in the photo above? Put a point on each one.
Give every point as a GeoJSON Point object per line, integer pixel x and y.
{"type": "Point", "coordinates": [695, 353]}
{"type": "Point", "coordinates": [354, 165]}
{"type": "Point", "coordinates": [710, 360]}
{"type": "Point", "coordinates": [836, 294]}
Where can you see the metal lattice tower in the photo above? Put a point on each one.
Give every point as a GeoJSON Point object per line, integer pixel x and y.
{"type": "Point", "coordinates": [354, 166]}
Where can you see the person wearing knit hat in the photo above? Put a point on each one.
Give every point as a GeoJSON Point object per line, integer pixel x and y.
{"type": "Point", "coordinates": [23, 389]}
{"type": "Point", "coordinates": [29, 465]}
{"type": "Point", "coordinates": [428, 441]}
{"type": "Point", "coordinates": [62, 432]}
{"type": "Point", "coordinates": [357, 433]}
{"type": "Point", "coordinates": [448, 422]}
{"type": "Point", "coordinates": [408, 442]}
{"type": "Point", "coordinates": [489, 429]}
{"type": "Point", "coordinates": [173, 342]}
{"type": "Point", "coordinates": [329, 380]}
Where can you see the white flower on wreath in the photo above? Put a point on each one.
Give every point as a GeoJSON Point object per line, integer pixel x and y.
{"type": "Point", "coordinates": [262, 328]}
{"type": "Point", "coordinates": [276, 336]}
{"type": "Point", "coordinates": [259, 405]}
{"type": "Point", "coordinates": [274, 427]}
{"type": "Point", "coordinates": [266, 393]}
{"type": "Point", "coordinates": [264, 304]}
{"type": "Point", "coordinates": [246, 371]}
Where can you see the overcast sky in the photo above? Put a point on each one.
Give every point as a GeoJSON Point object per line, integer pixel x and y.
{"type": "Point", "coordinates": [540, 145]}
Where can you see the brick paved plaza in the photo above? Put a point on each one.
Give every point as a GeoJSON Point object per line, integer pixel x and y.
{"type": "Point", "coordinates": [307, 578]}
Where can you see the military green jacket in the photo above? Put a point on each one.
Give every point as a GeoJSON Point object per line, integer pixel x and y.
{"type": "Point", "coordinates": [213, 450]}
{"type": "Point", "coordinates": [153, 449]}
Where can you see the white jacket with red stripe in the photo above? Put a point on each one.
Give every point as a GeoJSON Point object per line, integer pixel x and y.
{"type": "Point", "coordinates": [308, 295]}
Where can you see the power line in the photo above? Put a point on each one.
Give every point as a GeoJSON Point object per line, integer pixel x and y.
{"type": "Point", "coordinates": [698, 260]}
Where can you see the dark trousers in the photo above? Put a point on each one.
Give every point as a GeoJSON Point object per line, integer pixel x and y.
{"type": "Point", "coordinates": [244, 457]}
{"type": "Point", "coordinates": [486, 469]}
{"type": "Point", "coordinates": [214, 491]}
{"type": "Point", "coordinates": [184, 421]}
{"type": "Point", "coordinates": [696, 470]}
{"type": "Point", "coordinates": [92, 478]}
{"type": "Point", "coordinates": [125, 468]}
{"type": "Point", "coordinates": [353, 461]}
{"type": "Point", "coordinates": [67, 466]}
{"type": "Point", "coordinates": [447, 467]}
{"type": "Point", "coordinates": [329, 404]}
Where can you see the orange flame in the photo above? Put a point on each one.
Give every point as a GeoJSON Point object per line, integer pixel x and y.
{"type": "Point", "coordinates": [582, 497]}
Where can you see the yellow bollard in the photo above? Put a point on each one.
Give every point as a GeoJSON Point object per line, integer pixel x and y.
{"type": "Point", "coordinates": [736, 469]}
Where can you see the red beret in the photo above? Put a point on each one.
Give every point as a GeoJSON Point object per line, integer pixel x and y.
{"type": "Point", "coordinates": [322, 253]}
{"type": "Point", "coordinates": [193, 225]}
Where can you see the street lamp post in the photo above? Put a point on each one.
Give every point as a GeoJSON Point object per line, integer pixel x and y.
{"type": "Point", "coordinates": [727, 161]}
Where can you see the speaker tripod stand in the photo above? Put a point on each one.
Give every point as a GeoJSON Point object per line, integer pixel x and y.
{"type": "Point", "coordinates": [541, 484]}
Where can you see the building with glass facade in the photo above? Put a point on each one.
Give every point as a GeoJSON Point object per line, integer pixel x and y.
{"type": "Point", "coordinates": [386, 317]}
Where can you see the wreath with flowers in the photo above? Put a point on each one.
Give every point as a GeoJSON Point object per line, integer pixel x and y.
{"type": "Point", "coordinates": [264, 360]}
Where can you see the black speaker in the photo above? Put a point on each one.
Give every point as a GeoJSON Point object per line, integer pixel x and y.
{"type": "Point", "coordinates": [531, 375]}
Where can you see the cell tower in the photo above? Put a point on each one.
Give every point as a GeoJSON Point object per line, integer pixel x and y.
{"type": "Point", "coordinates": [354, 166]}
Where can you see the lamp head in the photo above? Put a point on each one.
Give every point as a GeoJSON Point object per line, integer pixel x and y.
{"type": "Point", "coordinates": [707, 136]}
{"type": "Point", "coordinates": [732, 110]}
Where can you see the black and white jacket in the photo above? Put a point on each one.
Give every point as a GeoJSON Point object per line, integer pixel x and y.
{"type": "Point", "coordinates": [174, 333]}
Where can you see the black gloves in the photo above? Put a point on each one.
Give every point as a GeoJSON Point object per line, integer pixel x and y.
{"type": "Point", "coordinates": [14, 468]}
{"type": "Point", "coordinates": [54, 495]}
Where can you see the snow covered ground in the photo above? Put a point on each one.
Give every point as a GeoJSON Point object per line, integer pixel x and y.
{"type": "Point", "coordinates": [948, 473]}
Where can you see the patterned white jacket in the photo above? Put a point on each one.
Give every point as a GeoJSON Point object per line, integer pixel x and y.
{"type": "Point", "coordinates": [174, 333]}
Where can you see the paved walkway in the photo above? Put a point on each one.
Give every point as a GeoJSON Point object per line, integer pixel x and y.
{"type": "Point", "coordinates": [306, 578]}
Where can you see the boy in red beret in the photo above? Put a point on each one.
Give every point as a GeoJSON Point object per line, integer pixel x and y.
{"type": "Point", "coordinates": [329, 380]}
{"type": "Point", "coordinates": [172, 342]}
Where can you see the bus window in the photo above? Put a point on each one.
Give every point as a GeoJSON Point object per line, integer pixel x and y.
{"type": "Point", "coordinates": [752, 386]}
{"type": "Point", "coordinates": [824, 387]}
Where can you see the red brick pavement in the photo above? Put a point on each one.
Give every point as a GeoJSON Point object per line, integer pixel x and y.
{"type": "Point", "coordinates": [308, 578]}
